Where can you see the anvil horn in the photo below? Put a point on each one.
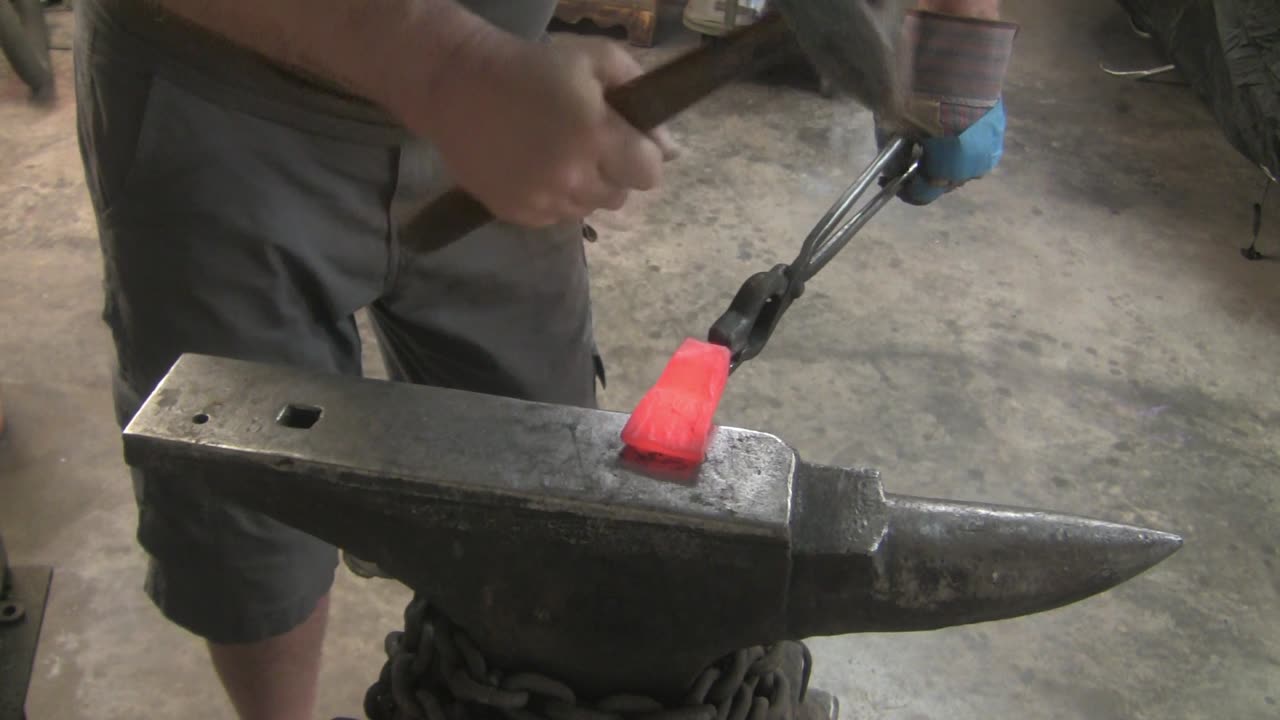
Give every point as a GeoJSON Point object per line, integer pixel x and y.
{"type": "Point", "coordinates": [528, 525]}
{"type": "Point", "coordinates": [925, 564]}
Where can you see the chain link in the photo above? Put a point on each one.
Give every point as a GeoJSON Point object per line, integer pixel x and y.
{"type": "Point", "coordinates": [435, 672]}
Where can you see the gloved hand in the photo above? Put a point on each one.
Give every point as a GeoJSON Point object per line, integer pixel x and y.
{"type": "Point", "coordinates": [956, 68]}
{"type": "Point", "coordinates": [949, 161]}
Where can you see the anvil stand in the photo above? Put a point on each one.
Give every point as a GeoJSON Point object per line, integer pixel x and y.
{"type": "Point", "coordinates": [435, 671]}
{"type": "Point", "coordinates": [23, 593]}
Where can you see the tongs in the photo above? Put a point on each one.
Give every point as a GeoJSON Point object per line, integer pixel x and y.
{"type": "Point", "coordinates": [749, 322]}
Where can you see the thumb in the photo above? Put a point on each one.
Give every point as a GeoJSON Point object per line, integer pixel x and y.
{"type": "Point", "coordinates": [920, 191]}
{"type": "Point", "coordinates": [662, 136]}
{"type": "Point", "coordinates": [613, 65]}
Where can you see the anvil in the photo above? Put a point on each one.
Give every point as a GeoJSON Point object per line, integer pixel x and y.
{"type": "Point", "coordinates": [531, 527]}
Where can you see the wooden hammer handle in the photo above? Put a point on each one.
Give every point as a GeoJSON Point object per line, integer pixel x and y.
{"type": "Point", "coordinates": [646, 102]}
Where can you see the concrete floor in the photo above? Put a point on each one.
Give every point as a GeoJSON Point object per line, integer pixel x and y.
{"type": "Point", "coordinates": [1076, 332]}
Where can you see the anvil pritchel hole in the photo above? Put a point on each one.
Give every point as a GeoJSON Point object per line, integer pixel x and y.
{"type": "Point", "coordinates": [200, 419]}
{"type": "Point", "coordinates": [299, 417]}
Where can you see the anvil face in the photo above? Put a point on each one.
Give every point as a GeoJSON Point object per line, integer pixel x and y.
{"type": "Point", "coordinates": [530, 527]}
{"type": "Point", "coordinates": [486, 449]}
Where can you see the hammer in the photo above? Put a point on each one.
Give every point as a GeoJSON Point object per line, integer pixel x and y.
{"type": "Point", "coordinates": [852, 43]}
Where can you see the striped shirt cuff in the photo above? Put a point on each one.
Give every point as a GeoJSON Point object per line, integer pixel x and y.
{"type": "Point", "coordinates": [956, 60]}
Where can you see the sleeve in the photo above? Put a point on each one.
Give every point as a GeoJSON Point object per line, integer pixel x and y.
{"type": "Point", "coordinates": [955, 68]}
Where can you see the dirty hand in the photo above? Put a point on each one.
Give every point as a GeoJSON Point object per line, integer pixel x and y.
{"type": "Point", "coordinates": [957, 67]}
{"type": "Point", "coordinates": [524, 127]}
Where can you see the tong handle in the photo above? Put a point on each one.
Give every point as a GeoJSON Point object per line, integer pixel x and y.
{"type": "Point", "coordinates": [758, 306]}
{"type": "Point", "coordinates": [833, 232]}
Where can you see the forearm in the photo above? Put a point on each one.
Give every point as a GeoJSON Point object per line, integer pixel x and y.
{"type": "Point", "coordinates": [380, 50]}
{"type": "Point", "coordinates": [984, 9]}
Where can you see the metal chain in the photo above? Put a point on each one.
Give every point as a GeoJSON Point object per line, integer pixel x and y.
{"type": "Point", "coordinates": [435, 672]}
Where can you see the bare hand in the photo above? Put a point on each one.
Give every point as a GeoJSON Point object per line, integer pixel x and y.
{"type": "Point", "coordinates": [525, 128]}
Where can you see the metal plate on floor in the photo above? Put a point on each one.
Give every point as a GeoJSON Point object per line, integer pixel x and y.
{"type": "Point", "coordinates": [18, 639]}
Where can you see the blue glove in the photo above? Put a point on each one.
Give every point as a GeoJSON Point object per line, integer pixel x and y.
{"type": "Point", "coordinates": [955, 68]}
{"type": "Point", "coordinates": [950, 161]}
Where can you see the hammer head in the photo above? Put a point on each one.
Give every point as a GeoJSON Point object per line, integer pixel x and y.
{"type": "Point", "coordinates": [854, 45]}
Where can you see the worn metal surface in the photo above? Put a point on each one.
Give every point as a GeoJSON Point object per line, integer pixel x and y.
{"type": "Point", "coordinates": [522, 522]}
{"type": "Point", "coordinates": [28, 589]}
{"type": "Point", "coordinates": [866, 561]}
{"type": "Point", "coordinates": [465, 446]}
{"type": "Point", "coordinates": [528, 526]}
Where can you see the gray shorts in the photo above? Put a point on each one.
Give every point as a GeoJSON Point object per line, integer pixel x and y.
{"type": "Point", "coordinates": [257, 235]}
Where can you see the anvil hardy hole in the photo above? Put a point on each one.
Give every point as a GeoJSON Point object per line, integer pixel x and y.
{"type": "Point", "coordinates": [299, 417]}
{"type": "Point", "coordinates": [200, 419]}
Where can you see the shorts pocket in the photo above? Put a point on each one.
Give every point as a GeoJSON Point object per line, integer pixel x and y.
{"type": "Point", "coordinates": [116, 121]}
